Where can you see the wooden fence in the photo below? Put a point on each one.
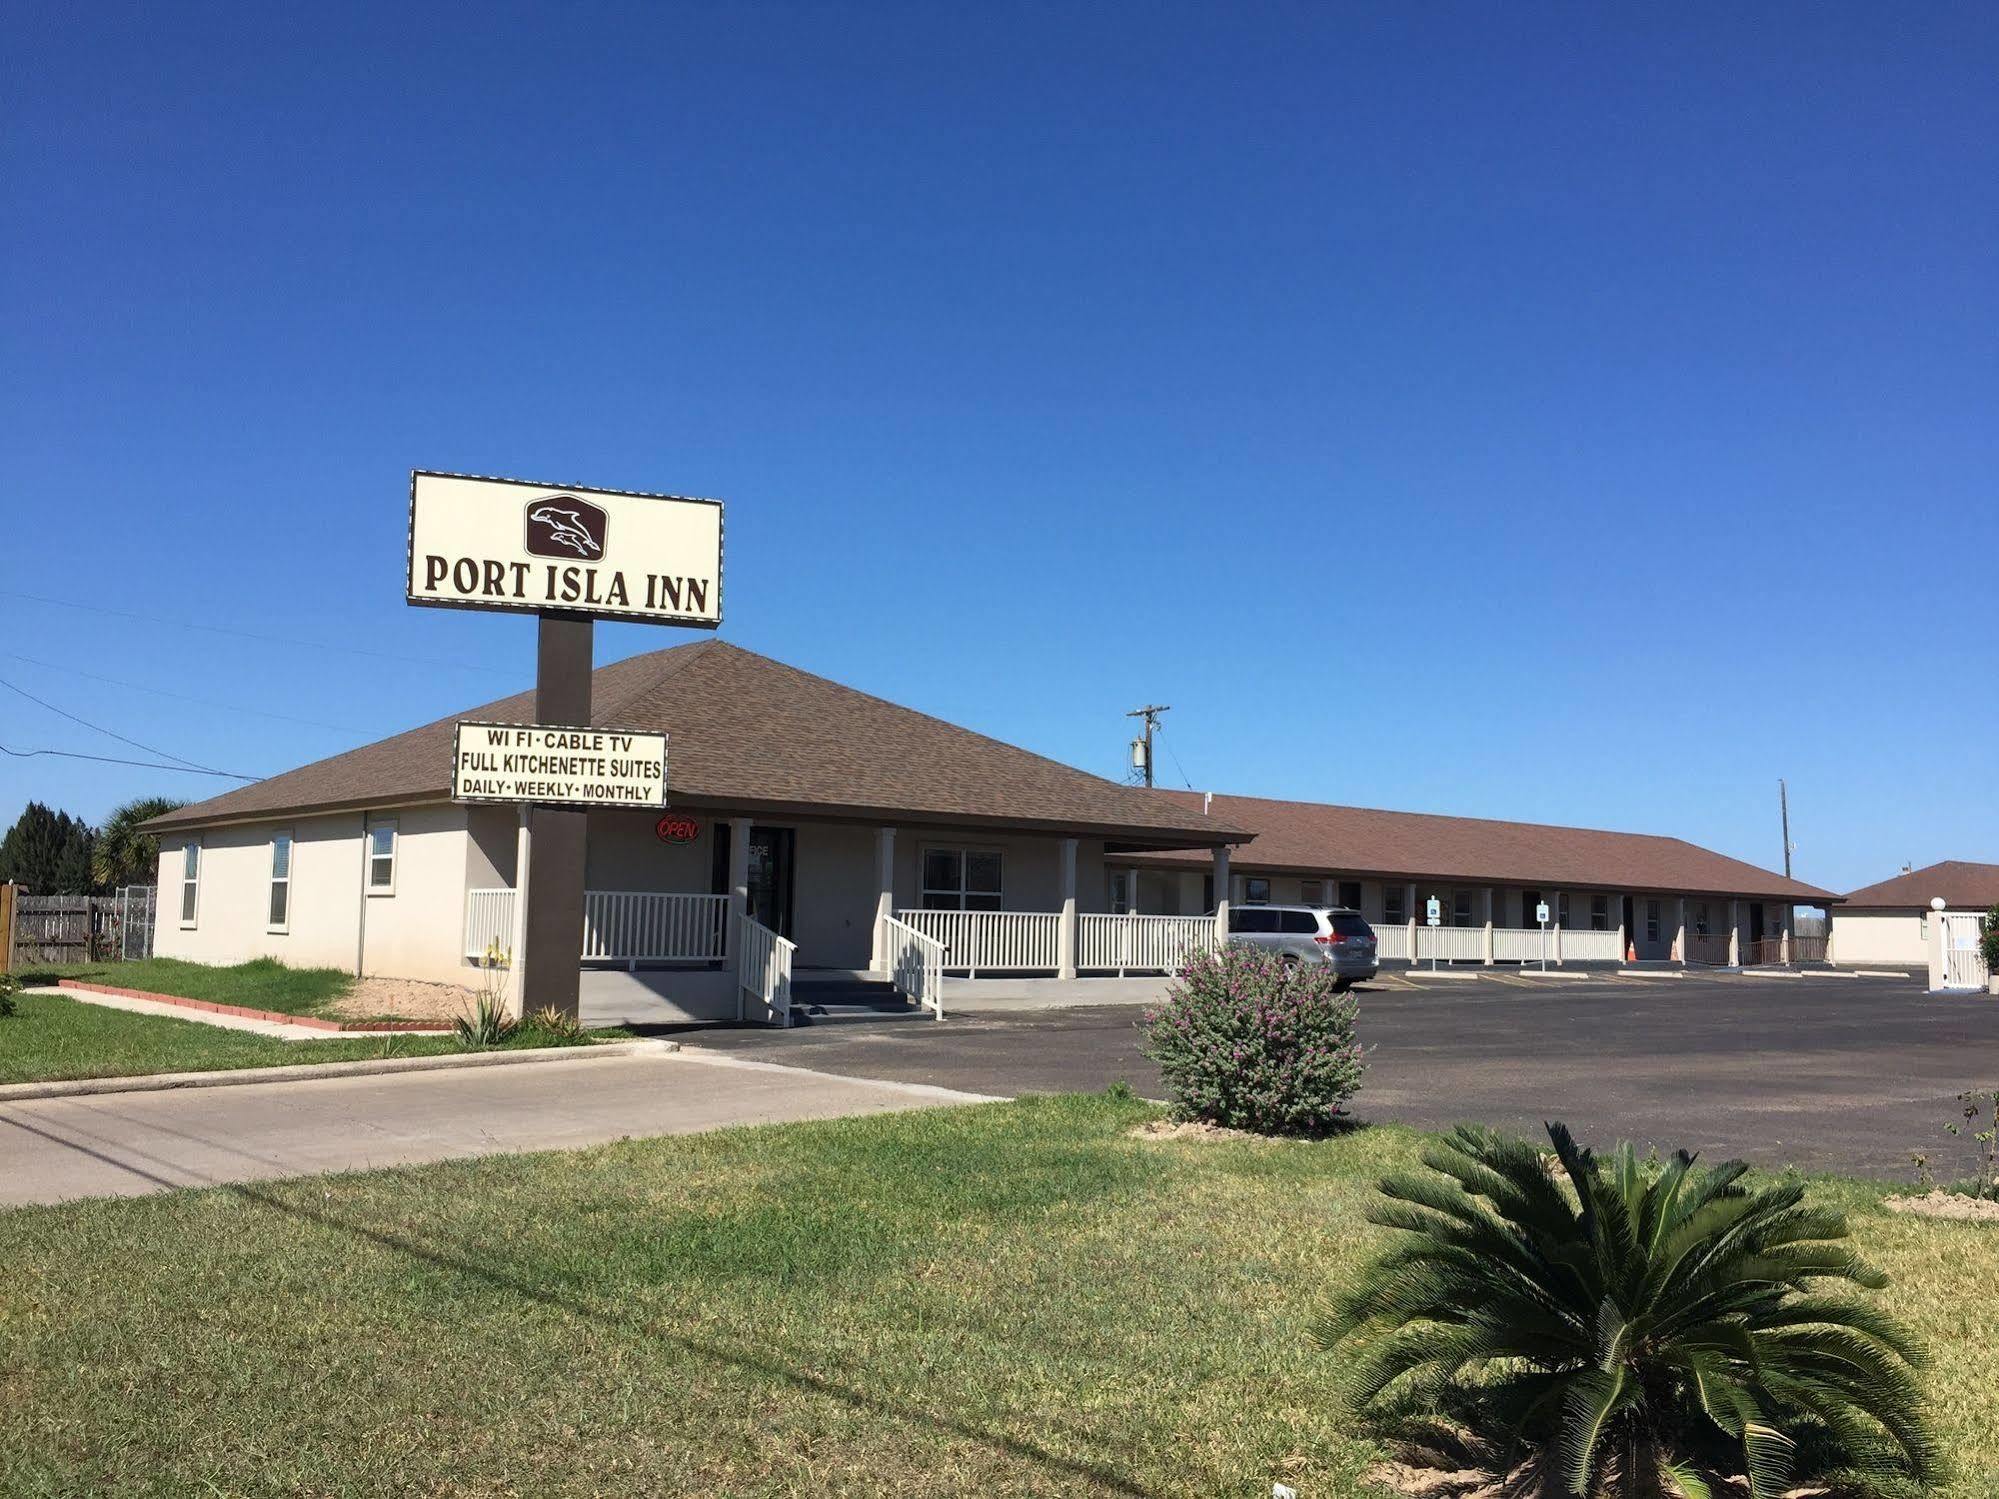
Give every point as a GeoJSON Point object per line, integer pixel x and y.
{"type": "Point", "coordinates": [60, 929]}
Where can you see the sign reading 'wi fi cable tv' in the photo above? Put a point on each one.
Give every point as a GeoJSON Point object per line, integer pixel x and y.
{"type": "Point", "coordinates": [549, 549]}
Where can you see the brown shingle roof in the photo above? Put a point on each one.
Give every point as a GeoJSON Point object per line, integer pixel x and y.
{"type": "Point", "coordinates": [1315, 838]}
{"type": "Point", "coordinates": [746, 731]}
{"type": "Point", "coordinates": [1961, 884]}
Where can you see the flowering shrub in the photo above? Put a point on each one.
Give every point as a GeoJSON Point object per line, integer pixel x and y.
{"type": "Point", "coordinates": [1249, 1042]}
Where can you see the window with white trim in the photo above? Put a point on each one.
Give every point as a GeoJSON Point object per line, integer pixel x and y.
{"type": "Point", "coordinates": [1393, 911]}
{"type": "Point", "coordinates": [190, 881]}
{"type": "Point", "coordinates": [1311, 892]}
{"type": "Point", "coordinates": [1255, 890]}
{"type": "Point", "coordinates": [1599, 913]}
{"type": "Point", "coordinates": [1561, 908]}
{"type": "Point", "coordinates": [1651, 921]}
{"type": "Point", "coordinates": [382, 858]}
{"type": "Point", "coordinates": [280, 910]}
{"type": "Point", "coordinates": [963, 879]}
{"type": "Point", "coordinates": [1461, 908]}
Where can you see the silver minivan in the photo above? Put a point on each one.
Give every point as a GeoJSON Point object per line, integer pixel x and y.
{"type": "Point", "coordinates": [1330, 935]}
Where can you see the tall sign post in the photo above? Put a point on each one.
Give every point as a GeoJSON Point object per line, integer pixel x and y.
{"type": "Point", "coordinates": [1433, 915]}
{"type": "Point", "coordinates": [570, 557]}
{"type": "Point", "coordinates": [1541, 915]}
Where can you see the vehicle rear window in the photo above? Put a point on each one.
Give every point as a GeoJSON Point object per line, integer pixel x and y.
{"type": "Point", "coordinates": [1298, 923]}
{"type": "Point", "coordinates": [1350, 926]}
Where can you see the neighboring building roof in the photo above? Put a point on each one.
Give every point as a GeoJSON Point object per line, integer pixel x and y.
{"type": "Point", "coordinates": [749, 732]}
{"type": "Point", "coordinates": [1315, 838]}
{"type": "Point", "coordinates": [1962, 885]}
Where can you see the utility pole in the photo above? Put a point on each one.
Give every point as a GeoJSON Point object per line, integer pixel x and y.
{"type": "Point", "coordinates": [1784, 805]}
{"type": "Point", "coordinates": [1141, 747]}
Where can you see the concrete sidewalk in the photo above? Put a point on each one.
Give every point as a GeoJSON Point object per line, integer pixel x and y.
{"type": "Point", "coordinates": [128, 1144]}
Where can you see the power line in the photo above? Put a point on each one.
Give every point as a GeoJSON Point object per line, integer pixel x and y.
{"type": "Point", "coordinates": [193, 770]}
{"type": "Point", "coordinates": [203, 702]}
{"type": "Point", "coordinates": [98, 728]}
{"type": "Point", "coordinates": [311, 645]}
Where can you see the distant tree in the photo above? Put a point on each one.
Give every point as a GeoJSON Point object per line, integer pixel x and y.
{"type": "Point", "coordinates": [49, 852]}
{"type": "Point", "coordinates": [122, 854]}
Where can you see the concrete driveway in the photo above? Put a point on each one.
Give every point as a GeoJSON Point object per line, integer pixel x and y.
{"type": "Point", "coordinates": [125, 1144]}
{"type": "Point", "coordinates": [1832, 1073]}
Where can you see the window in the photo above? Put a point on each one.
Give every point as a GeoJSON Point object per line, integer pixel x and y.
{"type": "Point", "coordinates": [1651, 921]}
{"type": "Point", "coordinates": [382, 859]}
{"type": "Point", "coordinates": [1251, 919]}
{"type": "Point", "coordinates": [962, 879]}
{"type": "Point", "coordinates": [1461, 908]}
{"type": "Point", "coordinates": [1312, 892]}
{"type": "Point", "coordinates": [1350, 894]}
{"type": "Point", "coordinates": [1529, 901]}
{"type": "Point", "coordinates": [190, 882]}
{"type": "Point", "coordinates": [1562, 909]}
{"type": "Point", "coordinates": [1255, 890]}
{"type": "Point", "coordinates": [1297, 923]}
{"type": "Point", "coordinates": [1123, 894]}
{"type": "Point", "coordinates": [1599, 913]}
{"type": "Point", "coordinates": [1700, 918]}
{"type": "Point", "coordinates": [281, 881]}
{"type": "Point", "coordinates": [1393, 911]}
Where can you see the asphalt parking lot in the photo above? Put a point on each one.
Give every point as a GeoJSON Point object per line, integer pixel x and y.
{"type": "Point", "coordinates": [1826, 1073]}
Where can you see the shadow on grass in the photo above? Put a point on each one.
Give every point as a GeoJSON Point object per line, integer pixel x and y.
{"type": "Point", "coordinates": [764, 1366]}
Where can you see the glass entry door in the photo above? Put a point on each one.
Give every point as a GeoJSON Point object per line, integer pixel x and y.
{"type": "Point", "coordinates": [771, 877]}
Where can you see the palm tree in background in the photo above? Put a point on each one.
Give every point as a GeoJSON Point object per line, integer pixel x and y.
{"type": "Point", "coordinates": [122, 854]}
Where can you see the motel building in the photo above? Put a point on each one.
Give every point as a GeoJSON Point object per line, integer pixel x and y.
{"type": "Point", "coordinates": [818, 839]}
{"type": "Point", "coordinates": [1904, 919]}
{"type": "Point", "coordinates": [1611, 897]}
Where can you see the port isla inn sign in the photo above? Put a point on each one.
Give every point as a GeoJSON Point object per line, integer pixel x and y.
{"type": "Point", "coordinates": [544, 549]}
{"type": "Point", "coordinates": [519, 762]}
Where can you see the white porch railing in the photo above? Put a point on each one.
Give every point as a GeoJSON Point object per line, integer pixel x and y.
{"type": "Point", "coordinates": [1515, 944]}
{"type": "Point", "coordinates": [1145, 944]}
{"type": "Point", "coordinates": [641, 926]}
{"type": "Point", "coordinates": [1391, 939]}
{"type": "Point", "coordinates": [489, 922]}
{"type": "Point", "coordinates": [991, 941]}
{"type": "Point", "coordinates": [1590, 947]}
{"type": "Point", "coordinates": [619, 926]}
{"type": "Point", "coordinates": [1450, 944]}
{"type": "Point", "coordinates": [915, 964]}
{"type": "Point", "coordinates": [763, 971]}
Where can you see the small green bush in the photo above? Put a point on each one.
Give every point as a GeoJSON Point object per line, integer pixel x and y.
{"type": "Point", "coordinates": [1989, 940]}
{"type": "Point", "coordinates": [551, 1024]}
{"type": "Point", "coordinates": [9, 987]}
{"type": "Point", "coordinates": [1250, 1042]}
{"type": "Point", "coordinates": [488, 1024]}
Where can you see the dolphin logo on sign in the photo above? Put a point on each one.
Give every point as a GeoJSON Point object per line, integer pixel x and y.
{"type": "Point", "coordinates": [563, 526]}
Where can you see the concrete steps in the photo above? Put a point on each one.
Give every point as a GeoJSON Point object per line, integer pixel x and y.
{"type": "Point", "coordinates": [831, 997]}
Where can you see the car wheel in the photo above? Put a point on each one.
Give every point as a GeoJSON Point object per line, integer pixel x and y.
{"type": "Point", "coordinates": [1340, 986]}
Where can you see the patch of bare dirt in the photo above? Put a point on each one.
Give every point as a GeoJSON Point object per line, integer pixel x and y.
{"type": "Point", "coordinates": [1952, 1205]}
{"type": "Point", "coordinates": [404, 999]}
{"type": "Point", "coordinates": [1187, 1129]}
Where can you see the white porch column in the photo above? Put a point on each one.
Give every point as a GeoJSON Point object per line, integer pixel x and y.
{"type": "Point", "coordinates": [1784, 937]}
{"type": "Point", "coordinates": [1556, 945]}
{"type": "Point", "coordinates": [1488, 926]}
{"type": "Point", "coordinates": [739, 893]}
{"type": "Point", "coordinates": [1623, 935]}
{"type": "Point", "coordinates": [1680, 935]}
{"type": "Point", "coordinates": [1409, 908]}
{"type": "Point", "coordinates": [884, 895]}
{"type": "Point", "coordinates": [516, 1005]}
{"type": "Point", "coordinates": [1065, 927]}
{"type": "Point", "coordinates": [1735, 934]}
{"type": "Point", "coordinates": [1221, 895]}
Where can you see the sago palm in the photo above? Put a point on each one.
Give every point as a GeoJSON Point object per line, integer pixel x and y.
{"type": "Point", "coordinates": [1622, 1328]}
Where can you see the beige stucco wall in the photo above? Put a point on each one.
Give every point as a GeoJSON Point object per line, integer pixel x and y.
{"type": "Point", "coordinates": [1878, 935]}
{"type": "Point", "coordinates": [414, 931]}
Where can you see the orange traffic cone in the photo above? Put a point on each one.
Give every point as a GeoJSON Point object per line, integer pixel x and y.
{"type": "Point", "coordinates": [1631, 952]}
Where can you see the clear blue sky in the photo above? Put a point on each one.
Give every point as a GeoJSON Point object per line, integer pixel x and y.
{"type": "Point", "coordinates": [1570, 413]}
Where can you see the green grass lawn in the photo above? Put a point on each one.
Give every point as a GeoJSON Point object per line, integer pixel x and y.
{"type": "Point", "coordinates": [261, 984]}
{"type": "Point", "coordinates": [53, 1037]}
{"type": "Point", "coordinates": [1010, 1299]}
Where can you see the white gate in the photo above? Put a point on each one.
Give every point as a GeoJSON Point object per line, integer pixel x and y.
{"type": "Point", "coordinates": [1963, 961]}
